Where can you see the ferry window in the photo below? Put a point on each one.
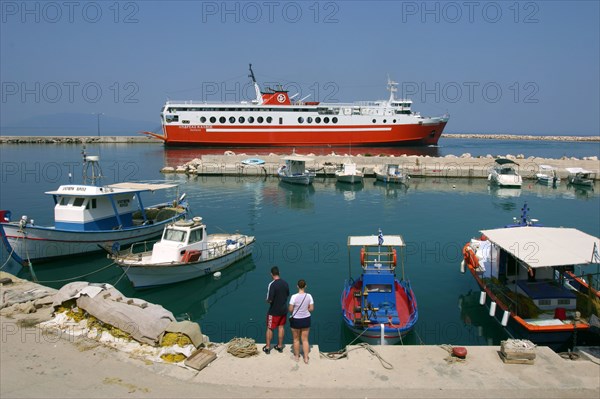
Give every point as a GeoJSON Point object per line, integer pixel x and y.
{"type": "Point", "coordinates": [385, 121]}
{"type": "Point", "coordinates": [309, 119]}
{"type": "Point", "coordinates": [232, 119]}
{"type": "Point", "coordinates": [259, 119]}
{"type": "Point", "coordinates": [317, 119]}
{"type": "Point", "coordinates": [78, 201]}
{"type": "Point", "coordinates": [202, 119]}
{"type": "Point", "coordinates": [326, 120]}
{"type": "Point", "coordinates": [241, 119]}
{"type": "Point", "coordinates": [373, 120]}
{"type": "Point", "coordinates": [175, 235]}
{"type": "Point", "coordinates": [195, 236]}
{"type": "Point", "coordinates": [185, 122]}
{"type": "Point", "coordinates": [222, 119]}
{"type": "Point", "coordinates": [334, 119]}
{"type": "Point", "coordinates": [213, 119]}
{"type": "Point", "coordinates": [394, 121]}
{"type": "Point", "coordinates": [250, 119]}
{"type": "Point", "coordinates": [269, 119]}
{"type": "Point", "coordinates": [172, 118]}
{"type": "Point", "coordinates": [300, 119]}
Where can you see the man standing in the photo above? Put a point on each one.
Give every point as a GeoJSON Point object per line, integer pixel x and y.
{"type": "Point", "coordinates": [277, 296]}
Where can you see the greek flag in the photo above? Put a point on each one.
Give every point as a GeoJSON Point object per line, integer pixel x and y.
{"type": "Point", "coordinates": [380, 238]}
{"type": "Point", "coordinates": [595, 254]}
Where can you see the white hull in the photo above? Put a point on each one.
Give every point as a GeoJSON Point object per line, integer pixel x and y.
{"type": "Point", "coordinates": [144, 276]}
{"type": "Point", "coordinates": [36, 243]}
{"type": "Point", "coordinates": [304, 179]}
{"type": "Point", "coordinates": [352, 179]}
{"type": "Point", "coordinates": [546, 179]}
{"type": "Point", "coordinates": [392, 179]}
{"type": "Point", "coordinates": [506, 180]}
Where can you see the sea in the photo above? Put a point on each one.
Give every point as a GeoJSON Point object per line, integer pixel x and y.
{"type": "Point", "coordinates": [304, 231]}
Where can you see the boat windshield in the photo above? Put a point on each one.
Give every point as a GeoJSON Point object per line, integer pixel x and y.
{"type": "Point", "coordinates": [175, 235]}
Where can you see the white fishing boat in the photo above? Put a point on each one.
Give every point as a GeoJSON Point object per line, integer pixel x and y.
{"type": "Point", "coordinates": [349, 174]}
{"type": "Point", "coordinates": [581, 177]}
{"type": "Point", "coordinates": [294, 171]}
{"type": "Point", "coordinates": [504, 174]}
{"type": "Point", "coordinates": [391, 173]}
{"type": "Point", "coordinates": [184, 252]}
{"type": "Point", "coordinates": [89, 218]}
{"type": "Point", "coordinates": [547, 175]}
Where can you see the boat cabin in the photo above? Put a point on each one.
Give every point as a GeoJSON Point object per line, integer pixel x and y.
{"type": "Point", "coordinates": [92, 208]}
{"type": "Point", "coordinates": [529, 264]}
{"type": "Point", "coordinates": [505, 166]}
{"type": "Point", "coordinates": [182, 241]}
{"type": "Point", "coordinates": [295, 165]}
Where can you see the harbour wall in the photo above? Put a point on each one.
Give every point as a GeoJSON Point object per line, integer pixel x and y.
{"type": "Point", "coordinates": [450, 166]}
{"type": "Point", "coordinates": [150, 140]}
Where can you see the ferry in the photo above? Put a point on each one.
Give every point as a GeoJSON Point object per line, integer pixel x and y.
{"type": "Point", "coordinates": [274, 119]}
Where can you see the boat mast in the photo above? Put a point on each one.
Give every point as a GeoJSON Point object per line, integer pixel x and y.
{"type": "Point", "coordinates": [391, 86]}
{"type": "Point", "coordinates": [259, 99]}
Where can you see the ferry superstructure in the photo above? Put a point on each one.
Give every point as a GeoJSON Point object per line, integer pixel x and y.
{"type": "Point", "coordinates": [273, 119]}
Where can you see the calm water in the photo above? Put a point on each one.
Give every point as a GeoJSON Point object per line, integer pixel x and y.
{"type": "Point", "coordinates": [304, 232]}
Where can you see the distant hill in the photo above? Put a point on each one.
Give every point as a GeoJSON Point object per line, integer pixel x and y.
{"type": "Point", "coordinates": [77, 124]}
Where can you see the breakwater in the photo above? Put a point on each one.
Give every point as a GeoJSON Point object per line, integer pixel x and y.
{"type": "Point", "coordinates": [449, 166]}
{"type": "Point", "coordinates": [148, 139]}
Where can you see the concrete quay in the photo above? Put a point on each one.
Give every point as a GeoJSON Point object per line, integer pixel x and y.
{"type": "Point", "coordinates": [41, 363]}
{"type": "Point", "coordinates": [450, 166]}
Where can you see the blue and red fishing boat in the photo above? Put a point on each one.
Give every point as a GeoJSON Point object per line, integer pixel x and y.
{"type": "Point", "coordinates": [377, 307]}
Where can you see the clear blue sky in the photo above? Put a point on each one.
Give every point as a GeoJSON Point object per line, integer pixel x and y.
{"type": "Point", "coordinates": [514, 67]}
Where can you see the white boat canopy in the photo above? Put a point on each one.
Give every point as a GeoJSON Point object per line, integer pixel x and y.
{"type": "Point", "coordinates": [577, 170]}
{"type": "Point", "coordinates": [142, 186]}
{"type": "Point", "coordinates": [547, 167]}
{"type": "Point", "coordinates": [546, 246]}
{"type": "Point", "coordinates": [297, 158]}
{"type": "Point", "coordinates": [359, 241]}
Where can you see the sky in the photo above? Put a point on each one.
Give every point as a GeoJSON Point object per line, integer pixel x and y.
{"type": "Point", "coordinates": [519, 67]}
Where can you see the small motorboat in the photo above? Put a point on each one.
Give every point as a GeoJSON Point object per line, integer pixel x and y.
{"type": "Point", "coordinates": [377, 307]}
{"type": "Point", "coordinates": [531, 280]}
{"type": "Point", "coordinates": [504, 174]}
{"type": "Point", "coordinates": [391, 173]}
{"type": "Point", "coordinates": [349, 174]}
{"type": "Point", "coordinates": [253, 161]}
{"type": "Point", "coordinates": [90, 218]}
{"type": "Point", "coordinates": [581, 177]}
{"type": "Point", "coordinates": [294, 171]}
{"type": "Point", "coordinates": [184, 252]}
{"type": "Point", "coordinates": [547, 176]}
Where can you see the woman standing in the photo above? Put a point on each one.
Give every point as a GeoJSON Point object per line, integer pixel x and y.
{"type": "Point", "coordinates": [301, 305]}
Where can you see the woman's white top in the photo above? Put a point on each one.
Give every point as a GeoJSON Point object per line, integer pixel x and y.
{"type": "Point", "coordinates": [301, 312]}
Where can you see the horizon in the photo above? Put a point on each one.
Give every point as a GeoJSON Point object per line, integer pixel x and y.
{"type": "Point", "coordinates": [520, 67]}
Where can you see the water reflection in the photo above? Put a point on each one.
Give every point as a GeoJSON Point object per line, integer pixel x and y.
{"type": "Point", "coordinates": [297, 196]}
{"type": "Point", "coordinates": [349, 190]}
{"type": "Point", "coordinates": [190, 300]}
{"type": "Point", "coordinates": [482, 328]}
{"type": "Point", "coordinates": [391, 190]}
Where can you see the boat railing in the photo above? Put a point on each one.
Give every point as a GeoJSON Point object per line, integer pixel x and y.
{"type": "Point", "coordinates": [137, 249]}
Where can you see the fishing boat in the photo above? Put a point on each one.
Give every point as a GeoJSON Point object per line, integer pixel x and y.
{"type": "Point", "coordinates": [547, 176]}
{"type": "Point", "coordinates": [347, 173]}
{"type": "Point", "coordinates": [391, 173]}
{"type": "Point", "coordinates": [89, 218]}
{"type": "Point", "coordinates": [581, 177]}
{"type": "Point", "coordinates": [504, 174]}
{"type": "Point", "coordinates": [525, 273]}
{"type": "Point", "coordinates": [274, 118]}
{"type": "Point", "coordinates": [294, 170]}
{"type": "Point", "coordinates": [377, 307]}
{"type": "Point", "coordinates": [184, 252]}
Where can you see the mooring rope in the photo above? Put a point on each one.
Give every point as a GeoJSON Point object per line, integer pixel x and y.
{"type": "Point", "coordinates": [344, 352]}
{"type": "Point", "coordinates": [242, 347]}
{"type": "Point", "coordinates": [77, 277]}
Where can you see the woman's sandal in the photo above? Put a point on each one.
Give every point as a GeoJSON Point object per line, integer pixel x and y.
{"type": "Point", "coordinates": [278, 349]}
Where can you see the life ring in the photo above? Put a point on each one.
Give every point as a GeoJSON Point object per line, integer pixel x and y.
{"type": "Point", "coordinates": [470, 257]}
{"type": "Point", "coordinates": [394, 257]}
{"type": "Point", "coordinates": [362, 256]}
